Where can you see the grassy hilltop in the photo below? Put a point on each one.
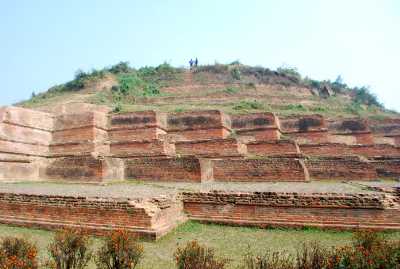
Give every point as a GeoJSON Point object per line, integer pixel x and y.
{"type": "Point", "coordinates": [233, 88]}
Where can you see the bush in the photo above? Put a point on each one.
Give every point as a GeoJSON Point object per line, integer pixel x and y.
{"type": "Point", "coordinates": [248, 105]}
{"type": "Point", "coordinates": [290, 72]}
{"type": "Point", "coordinates": [312, 256]}
{"type": "Point", "coordinates": [120, 250]}
{"type": "Point", "coordinates": [216, 68]}
{"type": "Point", "coordinates": [364, 96]}
{"type": "Point", "coordinates": [69, 250]}
{"type": "Point", "coordinates": [231, 90]}
{"type": "Point", "coordinates": [121, 67]}
{"type": "Point", "coordinates": [235, 73]}
{"type": "Point", "coordinates": [195, 256]}
{"type": "Point", "coordinates": [151, 90]}
{"type": "Point", "coordinates": [275, 260]}
{"type": "Point", "coordinates": [18, 253]}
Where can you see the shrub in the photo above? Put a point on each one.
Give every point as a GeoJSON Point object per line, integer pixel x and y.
{"type": "Point", "coordinates": [215, 68]}
{"type": "Point", "coordinates": [18, 253]}
{"type": "Point", "coordinates": [235, 73]}
{"type": "Point", "coordinates": [120, 250]}
{"type": "Point", "coordinates": [121, 67]}
{"type": "Point", "coordinates": [275, 260]}
{"type": "Point", "coordinates": [69, 250]}
{"type": "Point", "coordinates": [248, 105]}
{"type": "Point", "coordinates": [364, 96]}
{"type": "Point", "coordinates": [117, 107]}
{"type": "Point", "coordinates": [231, 90]}
{"type": "Point", "coordinates": [151, 90]}
{"type": "Point", "coordinates": [296, 107]}
{"type": "Point", "coordinates": [195, 256]}
{"type": "Point", "coordinates": [290, 72]}
{"type": "Point", "coordinates": [312, 256]}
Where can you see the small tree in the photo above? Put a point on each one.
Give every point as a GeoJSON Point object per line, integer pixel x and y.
{"type": "Point", "coordinates": [195, 256]}
{"type": "Point", "coordinates": [18, 253]}
{"type": "Point", "coordinates": [119, 251]}
{"type": "Point", "coordinates": [69, 250]}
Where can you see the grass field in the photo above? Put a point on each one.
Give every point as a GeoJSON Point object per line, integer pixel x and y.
{"type": "Point", "coordinates": [229, 242]}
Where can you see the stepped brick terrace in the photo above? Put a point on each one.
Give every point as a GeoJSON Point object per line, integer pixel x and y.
{"type": "Point", "coordinates": [149, 171]}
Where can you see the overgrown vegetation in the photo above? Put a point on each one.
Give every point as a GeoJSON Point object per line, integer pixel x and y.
{"type": "Point", "coordinates": [17, 253]}
{"type": "Point", "coordinates": [69, 250]}
{"type": "Point", "coordinates": [369, 250]}
{"type": "Point", "coordinates": [120, 250]}
{"type": "Point", "coordinates": [248, 105]}
{"type": "Point", "coordinates": [133, 84]}
{"type": "Point", "coordinates": [195, 256]}
{"type": "Point", "coordinates": [266, 248]}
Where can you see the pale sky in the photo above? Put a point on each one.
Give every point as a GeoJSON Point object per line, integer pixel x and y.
{"type": "Point", "coordinates": [44, 42]}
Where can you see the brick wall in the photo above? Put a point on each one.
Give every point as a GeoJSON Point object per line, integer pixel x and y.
{"type": "Point", "coordinates": [266, 169]}
{"type": "Point", "coordinates": [199, 125]}
{"type": "Point", "coordinates": [79, 134]}
{"type": "Point", "coordinates": [85, 168]}
{"type": "Point", "coordinates": [163, 169]}
{"type": "Point", "coordinates": [262, 126]}
{"type": "Point", "coordinates": [144, 125]}
{"type": "Point", "coordinates": [387, 167]}
{"type": "Point", "coordinates": [142, 148]}
{"type": "Point", "coordinates": [340, 168]}
{"type": "Point", "coordinates": [273, 148]}
{"type": "Point", "coordinates": [24, 142]}
{"type": "Point", "coordinates": [356, 129]}
{"type": "Point", "coordinates": [211, 148]}
{"type": "Point", "coordinates": [294, 210]}
{"type": "Point", "coordinates": [302, 124]}
{"type": "Point", "coordinates": [305, 129]}
{"type": "Point", "coordinates": [336, 149]}
{"type": "Point", "coordinates": [151, 217]}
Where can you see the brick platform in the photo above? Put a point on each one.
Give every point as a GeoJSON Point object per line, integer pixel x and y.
{"type": "Point", "coordinates": [149, 218]}
{"type": "Point", "coordinates": [323, 210]}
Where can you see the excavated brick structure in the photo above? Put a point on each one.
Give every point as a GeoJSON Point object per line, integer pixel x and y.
{"type": "Point", "coordinates": [259, 169]}
{"type": "Point", "coordinates": [164, 169]}
{"type": "Point", "coordinates": [24, 143]}
{"type": "Point", "coordinates": [151, 218]}
{"type": "Point", "coordinates": [305, 129]}
{"type": "Point", "coordinates": [350, 131]}
{"type": "Point", "coordinates": [341, 149]}
{"type": "Point", "coordinates": [271, 209]}
{"type": "Point", "coordinates": [198, 125]}
{"type": "Point", "coordinates": [386, 131]}
{"type": "Point", "coordinates": [341, 168]}
{"type": "Point", "coordinates": [261, 126]}
{"type": "Point", "coordinates": [287, 148]}
{"type": "Point", "coordinates": [229, 147]}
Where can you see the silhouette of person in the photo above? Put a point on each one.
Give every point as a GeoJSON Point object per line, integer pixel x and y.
{"type": "Point", "coordinates": [191, 63]}
{"type": "Point", "coordinates": [196, 62]}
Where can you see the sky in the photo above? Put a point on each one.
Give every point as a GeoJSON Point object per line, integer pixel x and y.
{"type": "Point", "coordinates": [44, 42]}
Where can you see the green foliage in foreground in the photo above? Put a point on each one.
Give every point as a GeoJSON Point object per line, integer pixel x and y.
{"type": "Point", "coordinates": [231, 243]}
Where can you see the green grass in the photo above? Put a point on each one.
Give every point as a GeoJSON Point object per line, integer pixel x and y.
{"type": "Point", "coordinates": [229, 242]}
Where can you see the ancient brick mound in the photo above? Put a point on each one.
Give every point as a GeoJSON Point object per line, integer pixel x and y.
{"type": "Point", "coordinates": [85, 143]}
